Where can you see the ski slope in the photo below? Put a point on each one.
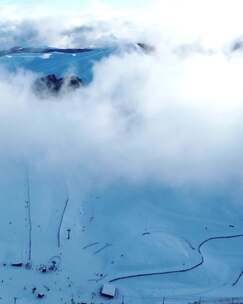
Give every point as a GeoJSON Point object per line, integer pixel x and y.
{"type": "Point", "coordinates": [146, 241]}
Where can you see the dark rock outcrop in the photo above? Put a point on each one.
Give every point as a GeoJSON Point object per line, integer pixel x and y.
{"type": "Point", "coordinates": [51, 84]}
{"type": "Point", "coordinates": [147, 48]}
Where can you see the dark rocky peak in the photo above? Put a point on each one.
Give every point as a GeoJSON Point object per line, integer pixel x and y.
{"type": "Point", "coordinates": [51, 84]}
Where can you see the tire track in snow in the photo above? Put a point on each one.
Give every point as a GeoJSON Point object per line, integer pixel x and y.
{"type": "Point", "coordinates": [238, 279]}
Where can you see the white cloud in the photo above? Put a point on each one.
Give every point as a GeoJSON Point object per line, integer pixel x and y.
{"type": "Point", "coordinates": [172, 118]}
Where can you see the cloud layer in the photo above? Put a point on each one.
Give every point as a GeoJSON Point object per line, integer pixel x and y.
{"type": "Point", "coordinates": [174, 116]}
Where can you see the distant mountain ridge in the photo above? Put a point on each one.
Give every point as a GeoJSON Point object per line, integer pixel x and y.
{"type": "Point", "coordinates": [47, 50]}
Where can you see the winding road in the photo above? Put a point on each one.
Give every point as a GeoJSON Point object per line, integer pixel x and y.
{"type": "Point", "coordinates": [199, 250]}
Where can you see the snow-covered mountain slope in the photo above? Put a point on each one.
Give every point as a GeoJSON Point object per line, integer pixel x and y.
{"type": "Point", "coordinates": [140, 238]}
{"type": "Point", "coordinates": [59, 61]}
{"type": "Point", "coordinates": [73, 218]}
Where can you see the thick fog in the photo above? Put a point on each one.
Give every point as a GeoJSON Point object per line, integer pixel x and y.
{"type": "Point", "coordinates": [173, 116]}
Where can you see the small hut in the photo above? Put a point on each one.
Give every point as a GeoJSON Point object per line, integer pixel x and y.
{"type": "Point", "coordinates": [108, 290]}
